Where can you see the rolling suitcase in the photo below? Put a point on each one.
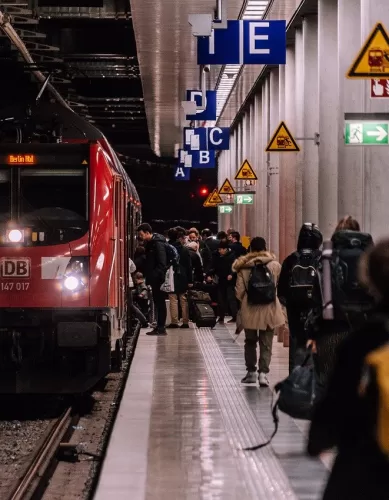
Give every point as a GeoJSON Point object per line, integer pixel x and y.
{"type": "Point", "coordinates": [201, 310]}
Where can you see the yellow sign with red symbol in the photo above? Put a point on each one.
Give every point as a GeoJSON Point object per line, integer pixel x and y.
{"type": "Point", "coordinates": [373, 59]}
{"type": "Point", "coordinates": [246, 172]}
{"type": "Point", "coordinates": [213, 199]}
{"type": "Point", "coordinates": [282, 140]}
{"type": "Point", "coordinates": [227, 188]}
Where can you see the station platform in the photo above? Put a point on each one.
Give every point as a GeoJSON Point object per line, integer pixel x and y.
{"type": "Point", "coordinates": [185, 417]}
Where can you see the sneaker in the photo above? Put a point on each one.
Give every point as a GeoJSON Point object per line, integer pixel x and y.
{"type": "Point", "coordinates": [172, 325]}
{"type": "Point", "coordinates": [157, 331]}
{"type": "Point", "coordinates": [263, 380]}
{"type": "Point", "coordinates": [184, 325]}
{"type": "Point", "coordinates": [250, 378]}
{"type": "Point", "coordinates": [232, 320]}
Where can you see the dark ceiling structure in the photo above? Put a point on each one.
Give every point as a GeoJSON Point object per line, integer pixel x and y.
{"type": "Point", "coordinates": [90, 52]}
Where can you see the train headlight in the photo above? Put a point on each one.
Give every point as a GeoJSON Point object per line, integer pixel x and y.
{"type": "Point", "coordinates": [15, 235]}
{"type": "Point", "coordinates": [71, 283]}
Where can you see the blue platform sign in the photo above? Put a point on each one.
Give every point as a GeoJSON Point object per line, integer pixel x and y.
{"type": "Point", "coordinates": [206, 138]}
{"type": "Point", "coordinates": [209, 112]}
{"type": "Point", "coordinates": [181, 173]}
{"type": "Point", "coordinates": [244, 42]}
{"type": "Point", "coordinates": [203, 159]}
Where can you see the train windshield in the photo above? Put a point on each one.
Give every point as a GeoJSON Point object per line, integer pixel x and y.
{"type": "Point", "coordinates": [55, 197]}
{"type": "Point", "coordinates": [5, 194]}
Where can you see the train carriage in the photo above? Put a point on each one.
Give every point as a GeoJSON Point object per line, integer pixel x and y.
{"type": "Point", "coordinates": [68, 213]}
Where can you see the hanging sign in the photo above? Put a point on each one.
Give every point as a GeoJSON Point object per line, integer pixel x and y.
{"type": "Point", "coordinates": [372, 60]}
{"type": "Point", "coordinates": [226, 188]}
{"type": "Point", "coordinates": [282, 140]}
{"type": "Point", "coordinates": [246, 172]}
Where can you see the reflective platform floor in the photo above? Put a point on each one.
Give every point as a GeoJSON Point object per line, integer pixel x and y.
{"type": "Point", "coordinates": [185, 418]}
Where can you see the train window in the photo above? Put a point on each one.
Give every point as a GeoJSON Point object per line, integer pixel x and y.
{"type": "Point", "coordinates": [5, 194]}
{"type": "Point", "coordinates": [56, 197]}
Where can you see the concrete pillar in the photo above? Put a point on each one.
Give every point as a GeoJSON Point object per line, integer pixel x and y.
{"type": "Point", "coordinates": [290, 159]}
{"type": "Point", "coordinates": [376, 178]}
{"type": "Point", "coordinates": [298, 129]}
{"type": "Point", "coordinates": [328, 96]}
{"type": "Point", "coordinates": [264, 177]}
{"type": "Point", "coordinates": [310, 178]}
{"type": "Point", "coordinates": [352, 100]}
{"type": "Point", "coordinates": [259, 167]}
{"type": "Point", "coordinates": [274, 165]}
{"type": "Point", "coordinates": [282, 168]}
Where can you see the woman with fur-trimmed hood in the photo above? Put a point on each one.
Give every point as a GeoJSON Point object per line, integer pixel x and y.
{"type": "Point", "coordinates": [260, 320]}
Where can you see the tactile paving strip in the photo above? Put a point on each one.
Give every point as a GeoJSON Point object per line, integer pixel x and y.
{"type": "Point", "coordinates": [263, 473]}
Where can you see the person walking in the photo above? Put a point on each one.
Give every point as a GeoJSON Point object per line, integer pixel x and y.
{"type": "Point", "coordinates": [352, 415]}
{"type": "Point", "coordinates": [156, 265]}
{"type": "Point", "coordinates": [226, 279]}
{"type": "Point", "coordinates": [261, 312]}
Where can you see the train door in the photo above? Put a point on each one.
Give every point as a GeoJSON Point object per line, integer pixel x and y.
{"type": "Point", "coordinates": [121, 264]}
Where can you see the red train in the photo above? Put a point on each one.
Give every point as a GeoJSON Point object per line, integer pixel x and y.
{"type": "Point", "coordinates": [68, 213]}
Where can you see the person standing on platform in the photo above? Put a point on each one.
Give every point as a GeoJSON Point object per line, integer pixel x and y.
{"type": "Point", "coordinates": [197, 263]}
{"type": "Point", "coordinates": [155, 272]}
{"type": "Point", "coordinates": [182, 279]}
{"type": "Point", "coordinates": [222, 269]}
{"type": "Point", "coordinates": [235, 244]}
{"type": "Point", "coordinates": [261, 311]}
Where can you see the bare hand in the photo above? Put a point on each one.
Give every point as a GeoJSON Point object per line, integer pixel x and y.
{"type": "Point", "coordinates": [190, 285]}
{"type": "Point", "coordinates": [312, 343]}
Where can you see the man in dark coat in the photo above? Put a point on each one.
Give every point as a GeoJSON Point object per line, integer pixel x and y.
{"type": "Point", "coordinates": [156, 266]}
{"type": "Point", "coordinates": [182, 279]}
{"type": "Point", "coordinates": [222, 269]}
{"type": "Point", "coordinates": [236, 246]}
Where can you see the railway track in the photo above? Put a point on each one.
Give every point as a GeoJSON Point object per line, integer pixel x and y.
{"type": "Point", "coordinates": [36, 475]}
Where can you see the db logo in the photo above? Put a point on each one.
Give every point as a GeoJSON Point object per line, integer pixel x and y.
{"type": "Point", "coordinates": [15, 268]}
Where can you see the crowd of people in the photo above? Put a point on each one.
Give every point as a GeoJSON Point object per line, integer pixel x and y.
{"type": "Point", "coordinates": [260, 294]}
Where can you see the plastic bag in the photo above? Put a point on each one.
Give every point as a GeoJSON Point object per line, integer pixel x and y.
{"type": "Point", "coordinates": [168, 285]}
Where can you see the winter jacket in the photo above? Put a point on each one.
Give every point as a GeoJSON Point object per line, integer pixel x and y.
{"type": "Point", "coordinates": [222, 268]}
{"type": "Point", "coordinates": [184, 277]}
{"type": "Point", "coordinates": [156, 260]}
{"type": "Point", "coordinates": [262, 316]}
{"type": "Point", "coordinates": [344, 420]}
{"type": "Point", "coordinates": [197, 268]}
{"type": "Point", "coordinates": [238, 249]}
{"type": "Point", "coordinates": [286, 272]}
{"type": "Point", "coordinates": [206, 255]}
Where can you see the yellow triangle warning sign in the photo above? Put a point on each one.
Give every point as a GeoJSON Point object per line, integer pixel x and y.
{"type": "Point", "coordinates": [206, 202]}
{"type": "Point", "coordinates": [246, 172]}
{"type": "Point", "coordinates": [282, 140]}
{"type": "Point", "coordinates": [373, 59]}
{"type": "Point", "coordinates": [215, 198]}
{"type": "Point", "coordinates": [84, 162]}
{"type": "Point", "coordinates": [226, 188]}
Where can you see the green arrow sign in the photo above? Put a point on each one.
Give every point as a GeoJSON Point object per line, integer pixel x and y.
{"type": "Point", "coordinates": [225, 209]}
{"type": "Point", "coordinates": [367, 133]}
{"type": "Point", "coordinates": [244, 199]}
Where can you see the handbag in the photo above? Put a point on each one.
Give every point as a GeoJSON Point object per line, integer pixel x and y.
{"type": "Point", "coordinates": [168, 284]}
{"type": "Point", "coordinates": [296, 396]}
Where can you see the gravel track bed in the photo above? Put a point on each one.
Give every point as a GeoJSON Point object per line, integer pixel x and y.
{"type": "Point", "coordinates": [21, 431]}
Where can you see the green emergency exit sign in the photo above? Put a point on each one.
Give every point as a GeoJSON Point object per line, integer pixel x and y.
{"type": "Point", "coordinates": [244, 199]}
{"type": "Point", "coordinates": [225, 209]}
{"type": "Point", "coordinates": [367, 133]}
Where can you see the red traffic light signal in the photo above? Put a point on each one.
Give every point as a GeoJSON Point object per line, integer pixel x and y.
{"type": "Point", "coordinates": [204, 191]}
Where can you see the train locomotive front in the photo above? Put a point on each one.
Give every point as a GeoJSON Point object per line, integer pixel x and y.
{"type": "Point", "coordinates": [67, 217]}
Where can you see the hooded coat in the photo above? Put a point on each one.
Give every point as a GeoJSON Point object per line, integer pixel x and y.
{"type": "Point", "coordinates": [263, 316]}
{"type": "Point", "coordinates": [156, 260]}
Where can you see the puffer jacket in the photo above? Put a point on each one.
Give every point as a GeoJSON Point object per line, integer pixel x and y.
{"type": "Point", "coordinates": [262, 316]}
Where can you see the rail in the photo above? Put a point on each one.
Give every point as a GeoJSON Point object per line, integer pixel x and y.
{"type": "Point", "coordinates": [35, 473]}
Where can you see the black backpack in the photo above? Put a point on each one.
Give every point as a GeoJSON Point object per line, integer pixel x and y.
{"type": "Point", "coordinates": [303, 278]}
{"type": "Point", "coordinates": [172, 257]}
{"type": "Point", "coordinates": [261, 288]}
{"type": "Point", "coordinates": [348, 296]}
